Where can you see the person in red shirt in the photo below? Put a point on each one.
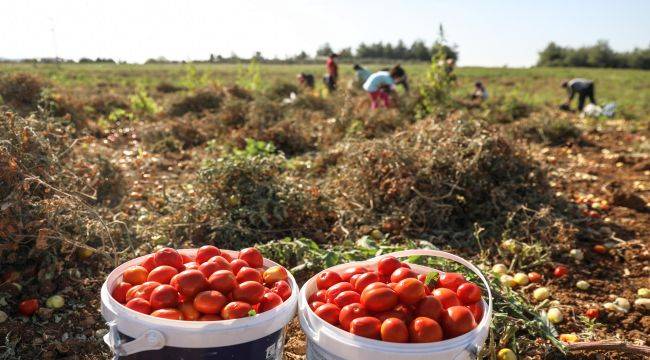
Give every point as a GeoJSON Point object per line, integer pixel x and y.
{"type": "Point", "coordinates": [332, 72]}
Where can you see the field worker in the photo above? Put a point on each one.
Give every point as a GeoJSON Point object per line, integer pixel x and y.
{"type": "Point", "coordinates": [362, 74]}
{"type": "Point", "coordinates": [332, 72]}
{"type": "Point", "coordinates": [402, 79]}
{"type": "Point", "coordinates": [584, 88]}
{"type": "Point", "coordinates": [380, 84]}
{"type": "Point", "coordinates": [306, 80]}
{"type": "Point", "coordinates": [480, 92]}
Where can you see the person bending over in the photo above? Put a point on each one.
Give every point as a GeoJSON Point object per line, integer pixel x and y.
{"type": "Point", "coordinates": [583, 87]}
{"type": "Point", "coordinates": [379, 85]}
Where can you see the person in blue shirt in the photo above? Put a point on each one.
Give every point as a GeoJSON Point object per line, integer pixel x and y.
{"type": "Point", "coordinates": [362, 73]}
{"type": "Point", "coordinates": [379, 85]}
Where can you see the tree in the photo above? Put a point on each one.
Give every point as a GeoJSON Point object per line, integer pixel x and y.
{"type": "Point", "coordinates": [324, 50]}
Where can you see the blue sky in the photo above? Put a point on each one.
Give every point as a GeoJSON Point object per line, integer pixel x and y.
{"type": "Point", "coordinates": [488, 33]}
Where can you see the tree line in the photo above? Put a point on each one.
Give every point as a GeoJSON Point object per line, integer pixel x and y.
{"type": "Point", "coordinates": [417, 51]}
{"type": "Point", "coordinates": [598, 55]}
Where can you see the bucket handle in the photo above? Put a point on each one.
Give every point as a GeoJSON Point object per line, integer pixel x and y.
{"type": "Point", "coordinates": [448, 256]}
{"type": "Point", "coordinates": [149, 340]}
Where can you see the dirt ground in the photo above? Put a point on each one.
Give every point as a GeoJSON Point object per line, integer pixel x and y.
{"type": "Point", "coordinates": [604, 162]}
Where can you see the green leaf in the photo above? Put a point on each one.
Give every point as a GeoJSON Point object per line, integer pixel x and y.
{"type": "Point", "coordinates": [331, 258]}
{"type": "Point", "coordinates": [431, 279]}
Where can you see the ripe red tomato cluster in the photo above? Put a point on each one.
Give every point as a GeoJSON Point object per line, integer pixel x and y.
{"type": "Point", "coordinates": [212, 286]}
{"type": "Point", "coordinates": [396, 304]}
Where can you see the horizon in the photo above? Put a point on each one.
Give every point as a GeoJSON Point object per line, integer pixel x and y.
{"type": "Point", "coordinates": [486, 35]}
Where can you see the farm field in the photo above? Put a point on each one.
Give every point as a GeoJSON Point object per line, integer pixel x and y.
{"type": "Point", "coordinates": [103, 163]}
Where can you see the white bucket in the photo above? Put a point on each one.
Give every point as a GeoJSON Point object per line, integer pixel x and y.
{"type": "Point", "coordinates": [258, 337]}
{"type": "Point", "coordinates": [327, 342]}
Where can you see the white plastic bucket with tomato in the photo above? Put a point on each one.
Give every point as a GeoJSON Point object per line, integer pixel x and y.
{"type": "Point", "coordinates": [327, 342]}
{"type": "Point", "coordinates": [134, 335]}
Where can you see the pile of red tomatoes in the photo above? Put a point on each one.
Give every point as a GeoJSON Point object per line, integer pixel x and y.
{"type": "Point", "coordinates": [396, 304]}
{"type": "Point", "coordinates": [211, 286]}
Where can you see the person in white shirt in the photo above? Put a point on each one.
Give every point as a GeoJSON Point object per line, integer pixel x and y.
{"type": "Point", "coordinates": [380, 84]}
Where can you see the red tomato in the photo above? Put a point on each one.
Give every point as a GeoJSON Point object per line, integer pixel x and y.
{"type": "Point", "coordinates": [209, 302]}
{"type": "Point", "coordinates": [468, 293]}
{"type": "Point", "coordinates": [120, 290]}
{"type": "Point", "coordinates": [353, 279]}
{"type": "Point", "coordinates": [236, 310]}
{"type": "Point", "coordinates": [206, 252]}
{"type": "Point", "coordinates": [447, 297]}
{"type": "Point", "coordinates": [149, 263]}
{"type": "Point", "coordinates": [560, 271]}
{"type": "Point", "coordinates": [190, 282]}
{"type": "Point", "coordinates": [171, 314]}
{"type": "Point", "coordinates": [600, 249]}
{"type": "Point", "coordinates": [227, 256]}
{"type": "Point", "coordinates": [314, 305]}
{"type": "Point", "coordinates": [477, 311]}
{"type": "Point", "coordinates": [237, 264]}
{"type": "Point", "coordinates": [249, 291]}
{"type": "Point", "coordinates": [424, 330]}
{"type": "Point", "coordinates": [457, 320]}
{"type": "Point", "coordinates": [135, 275]}
{"type": "Point", "coordinates": [329, 313]}
{"type": "Point", "coordinates": [139, 305]}
{"type": "Point", "coordinates": [223, 281]}
{"type": "Point", "coordinates": [534, 277]}
{"type": "Point", "coordinates": [410, 291]}
{"type": "Point", "coordinates": [269, 301]}
{"type": "Point", "coordinates": [401, 274]}
{"type": "Point", "coordinates": [210, 317]}
{"type": "Point", "coordinates": [327, 279]}
{"type": "Point", "coordinates": [320, 295]}
{"type": "Point", "coordinates": [451, 280]}
{"type": "Point", "coordinates": [162, 274]}
{"type": "Point", "coordinates": [346, 298]}
{"type": "Point", "coordinates": [142, 291]}
{"type": "Point", "coordinates": [169, 257]}
{"type": "Point", "coordinates": [380, 299]}
{"type": "Point", "coordinates": [429, 307]}
{"type": "Point", "coordinates": [282, 288]}
{"type": "Point", "coordinates": [191, 266]}
{"type": "Point", "coordinates": [28, 307]}
{"type": "Point", "coordinates": [387, 265]}
{"type": "Point", "coordinates": [350, 312]}
{"type": "Point", "coordinates": [337, 289]}
{"type": "Point", "coordinates": [385, 315]}
{"type": "Point", "coordinates": [592, 313]}
{"type": "Point", "coordinates": [215, 263]}
{"type": "Point", "coordinates": [186, 258]}
{"type": "Point", "coordinates": [252, 256]}
{"type": "Point", "coordinates": [366, 326]}
{"type": "Point", "coordinates": [376, 285]}
{"type": "Point", "coordinates": [248, 274]}
{"type": "Point", "coordinates": [275, 273]}
{"type": "Point", "coordinates": [394, 330]}
{"type": "Point", "coordinates": [163, 296]}
{"type": "Point", "coordinates": [189, 312]}
{"type": "Point", "coordinates": [364, 280]}
{"type": "Point", "coordinates": [131, 293]}
{"type": "Point", "coordinates": [349, 272]}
